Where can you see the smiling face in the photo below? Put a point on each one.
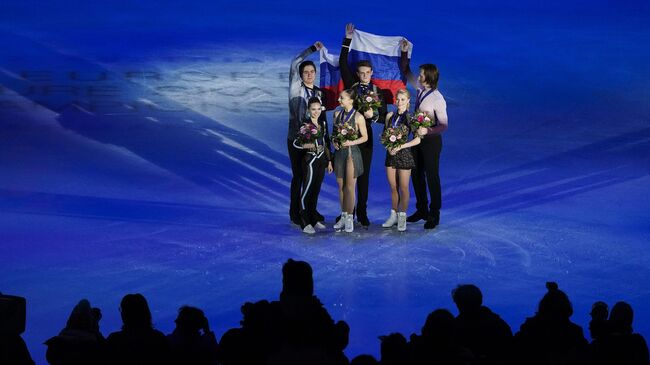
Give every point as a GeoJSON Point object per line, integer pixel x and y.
{"type": "Point", "coordinates": [315, 110]}
{"type": "Point", "coordinates": [402, 101]}
{"type": "Point", "coordinates": [364, 73]}
{"type": "Point", "coordinates": [308, 74]}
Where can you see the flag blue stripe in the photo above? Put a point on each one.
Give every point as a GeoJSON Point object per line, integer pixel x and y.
{"type": "Point", "coordinates": [383, 67]}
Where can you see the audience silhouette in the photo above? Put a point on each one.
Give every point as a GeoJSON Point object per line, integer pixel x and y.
{"type": "Point", "coordinates": [479, 329]}
{"type": "Point", "coordinates": [192, 342]}
{"type": "Point", "coordinates": [598, 324]}
{"type": "Point", "coordinates": [549, 337]}
{"type": "Point", "coordinates": [619, 345]}
{"type": "Point", "coordinates": [435, 345]}
{"type": "Point", "coordinates": [13, 349]}
{"type": "Point", "coordinates": [254, 333]}
{"type": "Point", "coordinates": [394, 349]}
{"type": "Point", "coordinates": [80, 342]}
{"type": "Point", "coordinates": [138, 343]}
{"type": "Point", "coordinates": [364, 360]}
{"type": "Point", "coordinates": [297, 329]}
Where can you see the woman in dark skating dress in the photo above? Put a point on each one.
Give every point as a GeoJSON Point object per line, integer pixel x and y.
{"type": "Point", "coordinates": [348, 164]}
{"type": "Point", "coordinates": [399, 162]}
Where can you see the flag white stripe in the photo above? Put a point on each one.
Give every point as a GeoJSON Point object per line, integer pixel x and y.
{"type": "Point", "coordinates": [377, 44]}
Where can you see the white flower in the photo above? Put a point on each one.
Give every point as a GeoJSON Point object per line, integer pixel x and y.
{"type": "Point", "coordinates": [344, 132]}
{"type": "Point", "coordinates": [368, 99]}
{"type": "Point", "coordinates": [392, 139]}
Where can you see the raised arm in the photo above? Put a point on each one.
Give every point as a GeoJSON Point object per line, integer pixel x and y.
{"type": "Point", "coordinates": [347, 75]}
{"type": "Point", "coordinates": [404, 64]}
{"type": "Point", "coordinates": [294, 73]}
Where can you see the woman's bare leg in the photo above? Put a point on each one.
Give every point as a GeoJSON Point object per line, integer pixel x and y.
{"type": "Point", "coordinates": [339, 181]}
{"type": "Point", "coordinates": [391, 174]}
{"type": "Point", "coordinates": [404, 195]}
{"type": "Point", "coordinates": [350, 185]}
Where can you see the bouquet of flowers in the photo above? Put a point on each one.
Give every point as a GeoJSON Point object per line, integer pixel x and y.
{"type": "Point", "coordinates": [367, 101]}
{"type": "Point", "coordinates": [421, 120]}
{"type": "Point", "coordinates": [308, 133]}
{"type": "Point", "coordinates": [394, 137]}
{"type": "Point", "coordinates": [343, 132]}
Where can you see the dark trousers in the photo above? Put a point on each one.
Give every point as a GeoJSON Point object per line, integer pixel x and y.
{"type": "Point", "coordinates": [425, 174]}
{"type": "Point", "coordinates": [364, 180]}
{"type": "Point", "coordinates": [313, 173]}
{"type": "Point", "coordinates": [296, 156]}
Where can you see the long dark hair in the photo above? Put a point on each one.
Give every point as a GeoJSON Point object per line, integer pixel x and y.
{"type": "Point", "coordinates": [431, 74]}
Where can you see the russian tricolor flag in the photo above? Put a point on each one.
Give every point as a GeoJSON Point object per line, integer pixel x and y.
{"type": "Point", "coordinates": [382, 51]}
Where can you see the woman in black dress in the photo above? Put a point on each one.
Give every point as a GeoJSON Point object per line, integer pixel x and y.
{"type": "Point", "coordinates": [399, 162]}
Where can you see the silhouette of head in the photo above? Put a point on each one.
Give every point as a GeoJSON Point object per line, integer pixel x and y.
{"type": "Point", "coordinates": [84, 317]}
{"type": "Point", "coordinates": [439, 325]}
{"type": "Point", "coordinates": [12, 315]}
{"type": "Point", "coordinates": [393, 348]}
{"type": "Point", "coordinates": [364, 360]}
{"type": "Point", "coordinates": [190, 319]}
{"type": "Point", "coordinates": [467, 297]}
{"type": "Point", "coordinates": [135, 311]}
{"type": "Point", "coordinates": [599, 311]}
{"type": "Point", "coordinates": [342, 330]}
{"type": "Point", "coordinates": [598, 326]}
{"type": "Point", "coordinates": [255, 314]}
{"type": "Point", "coordinates": [621, 318]}
{"type": "Point", "coordinates": [297, 279]}
{"type": "Point", "coordinates": [555, 303]}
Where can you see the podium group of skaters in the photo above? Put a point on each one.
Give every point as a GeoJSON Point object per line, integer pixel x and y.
{"type": "Point", "coordinates": [412, 139]}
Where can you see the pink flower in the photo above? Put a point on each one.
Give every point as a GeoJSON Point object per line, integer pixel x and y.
{"type": "Point", "coordinates": [392, 139]}
{"type": "Point", "coordinates": [344, 132]}
{"type": "Point", "coordinates": [399, 136]}
{"type": "Point", "coordinates": [427, 119]}
{"type": "Point", "coordinates": [420, 118]}
{"type": "Point", "coordinates": [368, 99]}
{"type": "Point", "coordinates": [314, 131]}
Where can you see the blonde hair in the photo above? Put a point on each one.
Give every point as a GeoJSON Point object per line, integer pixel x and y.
{"type": "Point", "coordinates": [403, 91]}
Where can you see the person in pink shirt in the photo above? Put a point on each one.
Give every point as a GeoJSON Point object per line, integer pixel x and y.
{"type": "Point", "coordinates": [427, 153]}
